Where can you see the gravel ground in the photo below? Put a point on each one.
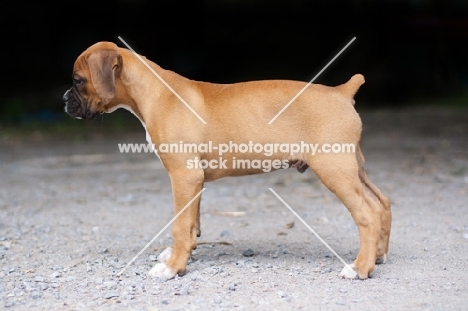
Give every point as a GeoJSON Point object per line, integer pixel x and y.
{"type": "Point", "coordinates": [73, 213]}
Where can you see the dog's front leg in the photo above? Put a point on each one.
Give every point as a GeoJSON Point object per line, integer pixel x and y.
{"type": "Point", "coordinates": [186, 184]}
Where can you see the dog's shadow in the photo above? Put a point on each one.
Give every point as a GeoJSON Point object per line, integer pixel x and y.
{"type": "Point", "coordinates": [265, 255]}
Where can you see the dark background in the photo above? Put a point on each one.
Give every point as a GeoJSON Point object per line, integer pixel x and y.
{"type": "Point", "coordinates": [411, 52]}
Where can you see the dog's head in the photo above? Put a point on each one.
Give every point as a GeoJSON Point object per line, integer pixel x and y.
{"type": "Point", "coordinates": [95, 74]}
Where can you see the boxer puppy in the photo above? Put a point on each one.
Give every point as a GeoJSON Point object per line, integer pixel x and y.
{"type": "Point", "coordinates": [106, 77]}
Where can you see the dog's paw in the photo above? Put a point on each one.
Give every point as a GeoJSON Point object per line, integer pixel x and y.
{"type": "Point", "coordinates": [162, 271]}
{"type": "Point", "coordinates": [165, 255]}
{"type": "Point", "coordinates": [348, 272]}
{"type": "Point", "coordinates": [382, 259]}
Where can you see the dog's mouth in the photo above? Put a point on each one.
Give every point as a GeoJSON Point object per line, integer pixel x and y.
{"type": "Point", "coordinates": [88, 115]}
{"type": "Point", "coordinates": [75, 106]}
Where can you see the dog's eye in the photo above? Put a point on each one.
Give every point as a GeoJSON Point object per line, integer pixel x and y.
{"type": "Point", "coordinates": [77, 81]}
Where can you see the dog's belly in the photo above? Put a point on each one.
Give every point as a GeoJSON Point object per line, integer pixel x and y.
{"type": "Point", "coordinates": [233, 165]}
{"type": "Point", "coordinates": [214, 174]}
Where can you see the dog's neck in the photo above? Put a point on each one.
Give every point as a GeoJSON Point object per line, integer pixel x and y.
{"type": "Point", "coordinates": [142, 71]}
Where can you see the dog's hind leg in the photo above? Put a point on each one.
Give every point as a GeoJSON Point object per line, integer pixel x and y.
{"type": "Point", "coordinates": [198, 227]}
{"type": "Point", "coordinates": [340, 173]}
{"type": "Point", "coordinates": [186, 184]}
{"type": "Point", "coordinates": [386, 219]}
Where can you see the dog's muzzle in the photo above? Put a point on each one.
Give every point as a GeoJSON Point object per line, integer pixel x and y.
{"type": "Point", "coordinates": [75, 106]}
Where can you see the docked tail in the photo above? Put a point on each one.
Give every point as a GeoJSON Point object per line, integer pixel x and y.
{"type": "Point", "coordinates": [350, 88]}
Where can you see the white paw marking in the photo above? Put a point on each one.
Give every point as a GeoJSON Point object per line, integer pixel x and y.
{"type": "Point", "coordinates": [162, 271]}
{"type": "Point", "coordinates": [382, 259]}
{"type": "Point", "coordinates": [348, 272]}
{"type": "Point", "coordinates": [165, 255]}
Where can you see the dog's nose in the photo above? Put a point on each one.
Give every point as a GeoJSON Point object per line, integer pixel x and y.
{"type": "Point", "coordinates": [65, 96]}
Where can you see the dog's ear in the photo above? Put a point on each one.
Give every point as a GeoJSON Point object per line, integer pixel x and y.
{"type": "Point", "coordinates": [104, 66]}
